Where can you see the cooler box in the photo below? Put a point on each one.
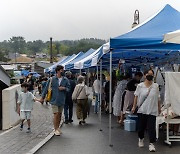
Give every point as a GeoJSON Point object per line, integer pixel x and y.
{"type": "Point", "coordinates": [130, 125]}
{"type": "Point", "coordinates": [133, 117]}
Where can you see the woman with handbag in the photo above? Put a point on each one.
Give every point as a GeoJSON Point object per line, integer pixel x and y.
{"type": "Point", "coordinates": [80, 96]}
{"type": "Point", "coordinates": [148, 101]}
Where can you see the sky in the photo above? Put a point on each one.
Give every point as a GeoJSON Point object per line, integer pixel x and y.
{"type": "Point", "coordinates": [73, 19]}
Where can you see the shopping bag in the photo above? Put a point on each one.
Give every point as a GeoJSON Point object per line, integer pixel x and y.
{"type": "Point", "coordinates": [93, 101]}
{"type": "Point", "coordinates": [49, 92]}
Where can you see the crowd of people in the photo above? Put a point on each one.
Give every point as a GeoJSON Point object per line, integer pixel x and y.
{"type": "Point", "coordinates": [128, 94]}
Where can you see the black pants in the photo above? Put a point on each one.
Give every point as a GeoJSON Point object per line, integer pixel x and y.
{"type": "Point", "coordinates": [68, 109]}
{"type": "Point", "coordinates": [149, 122]}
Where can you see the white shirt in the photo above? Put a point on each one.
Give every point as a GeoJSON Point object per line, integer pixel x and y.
{"type": "Point", "coordinates": [96, 86]}
{"type": "Point", "coordinates": [60, 79]}
{"type": "Point", "coordinates": [150, 104]}
{"type": "Point", "coordinates": [26, 101]}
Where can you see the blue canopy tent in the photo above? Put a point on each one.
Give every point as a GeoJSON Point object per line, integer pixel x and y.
{"type": "Point", "coordinates": [80, 63]}
{"type": "Point", "coordinates": [51, 68]}
{"type": "Point", "coordinates": [24, 72]}
{"type": "Point", "coordinates": [35, 74]}
{"type": "Point", "coordinates": [70, 66]}
{"type": "Point", "coordinates": [47, 70]}
{"type": "Point", "coordinates": [75, 57]}
{"type": "Point", "coordinates": [144, 42]}
{"type": "Point", "coordinates": [93, 61]}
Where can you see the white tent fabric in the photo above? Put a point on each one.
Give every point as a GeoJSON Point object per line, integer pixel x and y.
{"type": "Point", "coordinates": [93, 58]}
{"type": "Point", "coordinates": [63, 64]}
{"type": "Point", "coordinates": [101, 51]}
{"type": "Point", "coordinates": [54, 65]}
{"type": "Point", "coordinates": [172, 89]}
{"type": "Point", "coordinates": [172, 37]}
{"type": "Point", "coordinates": [80, 64]}
{"type": "Point", "coordinates": [105, 49]}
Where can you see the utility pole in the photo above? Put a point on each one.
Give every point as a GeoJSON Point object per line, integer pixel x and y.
{"type": "Point", "coordinates": [51, 56]}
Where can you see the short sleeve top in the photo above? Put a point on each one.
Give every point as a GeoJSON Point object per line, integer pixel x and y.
{"type": "Point", "coordinates": [149, 101]}
{"type": "Point", "coordinates": [26, 101]}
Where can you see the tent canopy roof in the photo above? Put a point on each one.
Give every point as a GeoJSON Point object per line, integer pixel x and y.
{"type": "Point", "coordinates": [149, 35]}
{"type": "Point", "coordinates": [145, 40]}
{"type": "Point", "coordinates": [70, 65]}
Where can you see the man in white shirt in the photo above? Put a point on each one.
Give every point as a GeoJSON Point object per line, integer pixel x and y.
{"type": "Point", "coordinates": [96, 93]}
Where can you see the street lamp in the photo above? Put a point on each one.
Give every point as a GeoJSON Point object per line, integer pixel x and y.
{"type": "Point", "coordinates": [136, 18]}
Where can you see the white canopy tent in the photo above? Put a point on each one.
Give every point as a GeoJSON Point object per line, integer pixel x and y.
{"type": "Point", "coordinates": [172, 37]}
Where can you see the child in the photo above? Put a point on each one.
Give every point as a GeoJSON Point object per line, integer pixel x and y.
{"type": "Point", "coordinates": [25, 105]}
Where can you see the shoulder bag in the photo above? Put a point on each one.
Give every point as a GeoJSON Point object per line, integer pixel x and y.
{"type": "Point", "coordinates": [137, 108]}
{"type": "Point", "coordinates": [75, 101]}
{"type": "Point", "coordinates": [49, 93]}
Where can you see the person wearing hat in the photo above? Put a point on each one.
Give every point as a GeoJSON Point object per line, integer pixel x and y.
{"type": "Point", "coordinates": [80, 96]}
{"type": "Point", "coordinates": [68, 107]}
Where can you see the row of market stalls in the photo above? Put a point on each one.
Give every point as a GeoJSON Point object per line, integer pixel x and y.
{"type": "Point", "coordinates": [141, 45]}
{"type": "Point", "coordinates": [146, 44]}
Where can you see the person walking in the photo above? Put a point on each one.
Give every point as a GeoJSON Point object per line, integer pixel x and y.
{"type": "Point", "coordinates": [68, 107]}
{"type": "Point", "coordinates": [80, 95]}
{"type": "Point", "coordinates": [148, 101]}
{"type": "Point", "coordinates": [25, 106]}
{"type": "Point", "coordinates": [60, 86]}
{"type": "Point", "coordinates": [30, 81]}
{"type": "Point", "coordinates": [129, 96]}
{"type": "Point", "coordinates": [43, 85]}
{"type": "Point", "coordinates": [117, 99]}
{"type": "Point", "coordinates": [96, 93]}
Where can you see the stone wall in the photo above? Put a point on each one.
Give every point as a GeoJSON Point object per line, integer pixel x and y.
{"type": "Point", "coordinates": [9, 106]}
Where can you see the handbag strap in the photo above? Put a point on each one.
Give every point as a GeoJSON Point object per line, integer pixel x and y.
{"type": "Point", "coordinates": [50, 83]}
{"type": "Point", "coordinates": [79, 92]}
{"type": "Point", "coordinates": [149, 90]}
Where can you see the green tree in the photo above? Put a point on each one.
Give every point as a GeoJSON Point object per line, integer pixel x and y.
{"type": "Point", "coordinates": [35, 46]}
{"type": "Point", "coordinates": [17, 44]}
{"type": "Point", "coordinates": [64, 49]}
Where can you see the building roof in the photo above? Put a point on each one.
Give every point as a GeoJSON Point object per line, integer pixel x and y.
{"type": "Point", "coordinates": [4, 77]}
{"type": "Point", "coordinates": [22, 59]}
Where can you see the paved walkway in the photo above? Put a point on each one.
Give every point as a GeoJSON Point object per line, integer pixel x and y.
{"type": "Point", "coordinates": [89, 140]}
{"type": "Point", "coordinates": [20, 142]}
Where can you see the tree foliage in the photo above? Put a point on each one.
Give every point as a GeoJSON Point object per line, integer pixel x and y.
{"type": "Point", "coordinates": [18, 44]}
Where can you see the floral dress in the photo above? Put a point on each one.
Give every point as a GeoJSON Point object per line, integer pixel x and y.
{"type": "Point", "coordinates": [117, 99]}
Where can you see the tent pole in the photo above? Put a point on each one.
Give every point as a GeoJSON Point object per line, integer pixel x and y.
{"type": "Point", "coordinates": [172, 68]}
{"type": "Point", "coordinates": [100, 103]}
{"type": "Point", "coordinates": [97, 79]}
{"type": "Point", "coordinates": [155, 77]}
{"type": "Point", "coordinates": [110, 99]}
{"type": "Point", "coordinates": [162, 75]}
{"type": "Point", "coordinates": [88, 77]}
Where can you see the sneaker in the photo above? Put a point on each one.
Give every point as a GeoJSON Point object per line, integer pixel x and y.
{"type": "Point", "coordinates": [152, 147]}
{"type": "Point", "coordinates": [71, 121]}
{"type": "Point", "coordinates": [21, 127]}
{"type": "Point", "coordinates": [80, 122]}
{"type": "Point", "coordinates": [57, 132]}
{"type": "Point", "coordinates": [141, 143]}
{"type": "Point", "coordinates": [66, 122]}
{"type": "Point", "coordinates": [28, 130]}
{"type": "Point", "coordinates": [83, 121]}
